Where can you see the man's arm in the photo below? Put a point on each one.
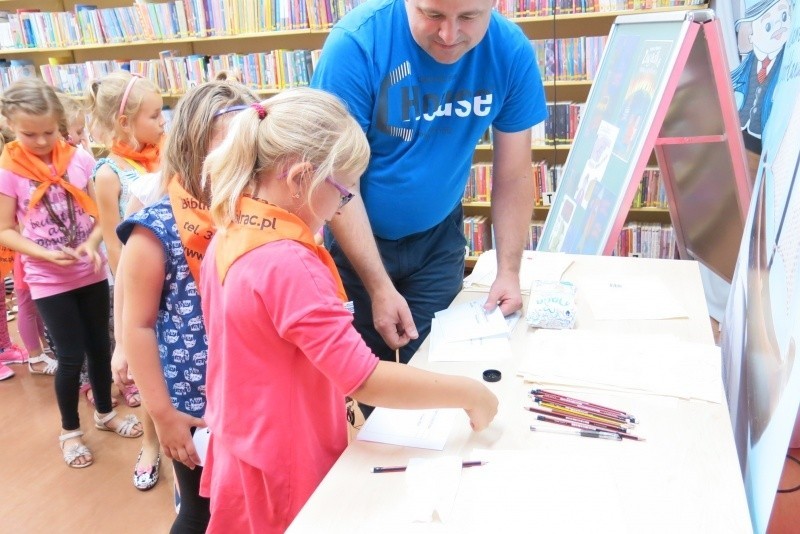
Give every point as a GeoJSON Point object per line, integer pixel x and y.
{"type": "Point", "coordinates": [512, 207]}
{"type": "Point", "coordinates": [390, 312]}
{"type": "Point", "coordinates": [343, 70]}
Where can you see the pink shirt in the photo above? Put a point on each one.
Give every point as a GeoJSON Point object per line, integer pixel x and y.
{"type": "Point", "coordinates": [44, 278]}
{"type": "Point", "coordinates": [282, 356]}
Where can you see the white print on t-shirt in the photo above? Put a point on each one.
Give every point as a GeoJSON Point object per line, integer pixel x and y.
{"type": "Point", "coordinates": [414, 105]}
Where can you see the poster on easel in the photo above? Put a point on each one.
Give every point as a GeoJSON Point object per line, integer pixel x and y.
{"type": "Point", "coordinates": [663, 86]}
{"type": "Point", "coordinates": [762, 323]}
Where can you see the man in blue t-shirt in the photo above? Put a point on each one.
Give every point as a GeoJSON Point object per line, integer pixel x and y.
{"type": "Point", "coordinates": [425, 79]}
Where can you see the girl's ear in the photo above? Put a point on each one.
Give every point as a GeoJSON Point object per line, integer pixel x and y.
{"type": "Point", "coordinates": [123, 121]}
{"type": "Point", "coordinates": [298, 177]}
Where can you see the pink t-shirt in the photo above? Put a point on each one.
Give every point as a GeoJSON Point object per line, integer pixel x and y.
{"type": "Point", "coordinates": [44, 278]}
{"type": "Point", "coordinates": [282, 356]}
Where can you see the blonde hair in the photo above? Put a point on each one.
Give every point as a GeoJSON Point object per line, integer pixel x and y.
{"type": "Point", "coordinates": [301, 125]}
{"type": "Point", "coordinates": [103, 99]}
{"type": "Point", "coordinates": [193, 126]}
{"type": "Point", "coordinates": [73, 111]}
{"type": "Point", "coordinates": [34, 97]}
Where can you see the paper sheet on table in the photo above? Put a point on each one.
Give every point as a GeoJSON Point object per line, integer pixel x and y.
{"type": "Point", "coordinates": [482, 349]}
{"type": "Point", "coordinates": [470, 321]}
{"type": "Point", "coordinates": [431, 487]}
{"type": "Point", "coordinates": [425, 429]}
{"type": "Point", "coordinates": [541, 490]}
{"type": "Point", "coordinates": [535, 266]}
{"type": "Point", "coordinates": [630, 298]}
{"type": "Point", "coordinates": [658, 365]}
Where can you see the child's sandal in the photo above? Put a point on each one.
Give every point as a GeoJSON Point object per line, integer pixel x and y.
{"type": "Point", "coordinates": [73, 452]}
{"type": "Point", "coordinates": [126, 429]}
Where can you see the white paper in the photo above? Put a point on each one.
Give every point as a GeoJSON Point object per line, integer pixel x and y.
{"type": "Point", "coordinates": [485, 349]}
{"type": "Point", "coordinates": [470, 321]}
{"type": "Point", "coordinates": [431, 487]}
{"type": "Point", "coordinates": [535, 266]}
{"type": "Point", "coordinates": [200, 440]}
{"type": "Point", "coordinates": [643, 364]}
{"type": "Point", "coordinates": [424, 429]}
{"type": "Point", "coordinates": [631, 298]}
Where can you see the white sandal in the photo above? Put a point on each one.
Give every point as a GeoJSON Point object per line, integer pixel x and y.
{"type": "Point", "coordinates": [75, 451]}
{"type": "Point", "coordinates": [49, 369]}
{"type": "Point", "coordinates": [126, 427]}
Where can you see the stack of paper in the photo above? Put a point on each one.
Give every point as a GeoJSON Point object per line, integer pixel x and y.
{"type": "Point", "coordinates": [467, 333]}
{"type": "Point", "coordinates": [424, 429]}
{"type": "Point", "coordinates": [657, 365]}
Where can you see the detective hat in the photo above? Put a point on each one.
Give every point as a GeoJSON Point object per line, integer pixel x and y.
{"type": "Point", "coordinates": [755, 8]}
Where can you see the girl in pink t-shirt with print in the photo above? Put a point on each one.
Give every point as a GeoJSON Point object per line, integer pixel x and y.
{"type": "Point", "coordinates": [283, 353]}
{"type": "Point", "coordinates": [45, 190]}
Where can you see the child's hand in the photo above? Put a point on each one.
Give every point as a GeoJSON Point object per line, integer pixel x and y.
{"type": "Point", "coordinates": [59, 257]}
{"type": "Point", "coordinates": [484, 409]}
{"type": "Point", "coordinates": [85, 253]}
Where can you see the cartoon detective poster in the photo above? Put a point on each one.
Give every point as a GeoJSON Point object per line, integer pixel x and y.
{"type": "Point", "coordinates": [762, 322]}
{"type": "Point", "coordinates": [761, 35]}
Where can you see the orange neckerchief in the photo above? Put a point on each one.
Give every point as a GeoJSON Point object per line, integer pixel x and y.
{"type": "Point", "coordinates": [258, 223]}
{"type": "Point", "coordinates": [21, 162]}
{"type": "Point", "coordinates": [195, 227]}
{"type": "Point", "coordinates": [149, 156]}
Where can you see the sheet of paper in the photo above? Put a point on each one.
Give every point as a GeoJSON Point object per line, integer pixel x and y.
{"type": "Point", "coordinates": [470, 321]}
{"type": "Point", "coordinates": [630, 298]}
{"type": "Point", "coordinates": [424, 429]}
{"type": "Point", "coordinates": [535, 266]}
{"type": "Point", "coordinates": [644, 364]}
{"type": "Point", "coordinates": [486, 349]}
{"type": "Point", "coordinates": [200, 440]}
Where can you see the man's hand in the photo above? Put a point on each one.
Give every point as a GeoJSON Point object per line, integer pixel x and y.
{"type": "Point", "coordinates": [505, 293]}
{"type": "Point", "coordinates": [392, 319]}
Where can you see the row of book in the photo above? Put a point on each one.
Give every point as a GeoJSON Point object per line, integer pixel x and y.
{"type": "Point", "coordinates": [177, 19]}
{"type": "Point", "coordinates": [644, 240]}
{"type": "Point", "coordinates": [560, 125]}
{"type": "Point", "coordinates": [571, 59]}
{"type": "Point", "coordinates": [173, 74]}
{"type": "Point", "coordinates": [647, 240]}
{"type": "Point", "coordinates": [547, 8]}
{"type": "Point", "coordinates": [90, 25]}
{"type": "Point", "coordinates": [649, 194]}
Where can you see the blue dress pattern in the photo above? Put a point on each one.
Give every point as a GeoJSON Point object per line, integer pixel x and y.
{"type": "Point", "coordinates": [181, 333]}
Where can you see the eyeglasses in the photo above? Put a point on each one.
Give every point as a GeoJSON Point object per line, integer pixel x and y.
{"type": "Point", "coordinates": [346, 196]}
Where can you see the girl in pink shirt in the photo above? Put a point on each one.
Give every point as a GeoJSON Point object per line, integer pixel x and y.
{"type": "Point", "coordinates": [45, 189]}
{"type": "Point", "coordinates": [283, 353]}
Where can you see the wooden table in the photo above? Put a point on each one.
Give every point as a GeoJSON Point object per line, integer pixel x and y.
{"type": "Point", "coordinates": [684, 478]}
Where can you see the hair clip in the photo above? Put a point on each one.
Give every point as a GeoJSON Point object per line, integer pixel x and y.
{"type": "Point", "coordinates": [260, 109]}
{"type": "Point", "coordinates": [223, 111]}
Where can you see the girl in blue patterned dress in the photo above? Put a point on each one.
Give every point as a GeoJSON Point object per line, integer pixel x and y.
{"type": "Point", "coordinates": [164, 244]}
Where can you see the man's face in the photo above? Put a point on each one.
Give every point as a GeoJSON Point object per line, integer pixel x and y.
{"type": "Point", "coordinates": [448, 29]}
{"type": "Point", "coordinates": [771, 30]}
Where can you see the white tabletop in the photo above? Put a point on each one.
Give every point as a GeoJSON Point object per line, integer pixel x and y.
{"type": "Point", "coordinates": [684, 478]}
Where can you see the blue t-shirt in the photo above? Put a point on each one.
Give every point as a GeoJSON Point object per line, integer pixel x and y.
{"type": "Point", "coordinates": [422, 118]}
{"type": "Point", "coordinates": [181, 333]}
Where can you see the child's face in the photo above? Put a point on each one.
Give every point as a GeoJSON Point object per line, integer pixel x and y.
{"type": "Point", "coordinates": [148, 124]}
{"type": "Point", "coordinates": [38, 134]}
{"type": "Point", "coordinates": [77, 132]}
{"type": "Point", "coordinates": [328, 200]}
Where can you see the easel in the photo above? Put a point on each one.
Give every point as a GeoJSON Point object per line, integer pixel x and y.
{"type": "Point", "coordinates": [663, 84]}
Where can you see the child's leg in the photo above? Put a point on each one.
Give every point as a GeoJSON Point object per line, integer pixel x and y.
{"type": "Point", "coordinates": [194, 514]}
{"type": "Point", "coordinates": [5, 339]}
{"type": "Point", "coordinates": [28, 322]}
{"type": "Point", "coordinates": [61, 314]}
{"type": "Point", "coordinates": [93, 308]}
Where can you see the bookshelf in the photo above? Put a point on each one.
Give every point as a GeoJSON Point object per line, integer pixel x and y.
{"type": "Point", "coordinates": [311, 37]}
{"type": "Point", "coordinates": [564, 26]}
